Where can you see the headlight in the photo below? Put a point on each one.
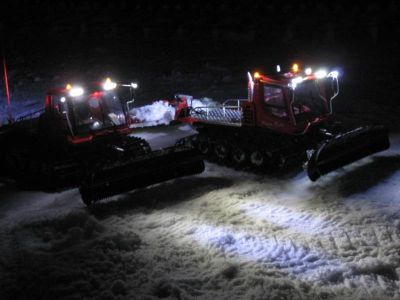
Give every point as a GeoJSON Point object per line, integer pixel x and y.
{"type": "Point", "coordinates": [320, 74]}
{"type": "Point", "coordinates": [76, 91]}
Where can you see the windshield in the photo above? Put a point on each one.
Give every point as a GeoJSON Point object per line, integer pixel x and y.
{"type": "Point", "coordinates": [97, 111]}
{"type": "Point", "coordinates": [307, 101]}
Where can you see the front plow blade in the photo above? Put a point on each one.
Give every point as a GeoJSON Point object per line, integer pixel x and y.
{"type": "Point", "coordinates": [142, 173]}
{"type": "Point", "coordinates": [347, 148]}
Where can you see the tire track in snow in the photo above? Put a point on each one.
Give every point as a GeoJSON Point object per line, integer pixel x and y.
{"type": "Point", "coordinates": [341, 242]}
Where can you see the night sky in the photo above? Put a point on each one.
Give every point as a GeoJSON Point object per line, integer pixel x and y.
{"type": "Point", "coordinates": [147, 40]}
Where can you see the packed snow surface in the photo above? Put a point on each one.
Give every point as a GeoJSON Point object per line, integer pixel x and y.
{"type": "Point", "coordinates": [223, 234]}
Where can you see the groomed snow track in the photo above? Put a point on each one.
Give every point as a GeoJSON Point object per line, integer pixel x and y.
{"type": "Point", "coordinates": [223, 234]}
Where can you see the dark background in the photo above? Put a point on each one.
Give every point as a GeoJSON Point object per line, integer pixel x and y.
{"type": "Point", "coordinates": [205, 48]}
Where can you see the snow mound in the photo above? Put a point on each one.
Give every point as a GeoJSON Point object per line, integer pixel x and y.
{"type": "Point", "coordinates": [160, 112]}
{"type": "Point", "coordinates": [201, 102]}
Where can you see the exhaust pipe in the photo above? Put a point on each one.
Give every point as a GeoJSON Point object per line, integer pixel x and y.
{"type": "Point", "coordinates": [346, 148]}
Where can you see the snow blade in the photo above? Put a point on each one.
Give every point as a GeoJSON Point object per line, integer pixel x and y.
{"type": "Point", "coordinates": [346, 148]}
{"type": "Point", "coordinates": [142, 173]}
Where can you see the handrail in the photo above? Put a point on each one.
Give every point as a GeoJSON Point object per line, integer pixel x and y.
{"type": "Point", "coordinates": [238, 101]}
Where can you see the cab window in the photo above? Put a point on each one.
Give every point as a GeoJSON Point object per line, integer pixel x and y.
{"type": "Point", "coordinates": [274, 101]}
{"type": "Point", "coordinates": [307, 101]}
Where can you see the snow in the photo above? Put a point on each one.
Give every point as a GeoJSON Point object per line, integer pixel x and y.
{"type": "Point", "coordinates": [223, 234]}
{"type": "Point", "coordinates": [159, 112]}
{"type": "Point", "coordinates": [192, 102]}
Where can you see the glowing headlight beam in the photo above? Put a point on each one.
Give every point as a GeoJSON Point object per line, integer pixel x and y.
{"type": "Point", "coordinates": [308, 71]}
{"type": "Point", "coordinates": [320, 74]}
{"type": "Point", "coordinates": [76, 91]}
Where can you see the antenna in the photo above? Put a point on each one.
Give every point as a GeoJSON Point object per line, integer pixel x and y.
{"type": "Point", "coordinates": [2, 42]}
{"type": "Point", "coordinates": [10, 119]}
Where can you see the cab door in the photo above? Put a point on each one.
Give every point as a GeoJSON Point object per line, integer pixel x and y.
{"type": "Point", "coordinates": [273, 107]}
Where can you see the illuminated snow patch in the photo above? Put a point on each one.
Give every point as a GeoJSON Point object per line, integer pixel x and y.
{"type": "Point", "coordinates": [284, 255]}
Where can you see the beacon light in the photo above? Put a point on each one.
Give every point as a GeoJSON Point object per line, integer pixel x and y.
{"type": "Point", "coordinates": [109, 85]}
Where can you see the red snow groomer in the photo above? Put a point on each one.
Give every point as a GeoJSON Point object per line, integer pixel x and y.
{"type": "Point", "coordinates": [83, 138]}
{"type": "Point", "coordinates": [286, 119]}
